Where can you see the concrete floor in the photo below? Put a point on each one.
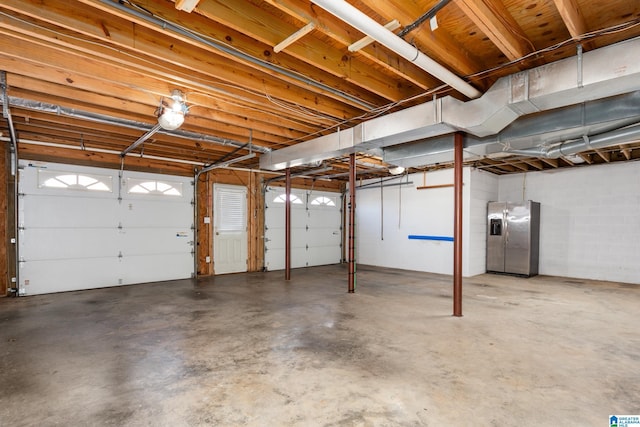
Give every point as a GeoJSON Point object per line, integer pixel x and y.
{"type": "Point", "coordinates": [250, 349]}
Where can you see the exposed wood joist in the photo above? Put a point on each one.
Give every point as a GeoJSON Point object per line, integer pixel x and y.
{"type": "Point", "coordinates": [604, 155]}
{"type": "Point", "coordinates": [495, 21]}
{"type": "Point", "coordinates": [502, 165]}
{"type": "Point", "coordinates": [345, 36]}
{"type": "Point", "coordinates": [246, 44]}
{"type": "Point", "coordinates": [586, 157]}
{"type": "Point", "coordinates": [534, 162]}
{"type": "Point", "coordinates": [294, 37]}
{"type": "Point", "coordinates": [191, 56]}
{"type": "Point", "coordinates": [438, 44]}
{"type": "Point", "coordinates": [518, 164]}
{"type": "Point", "coordinates": [94, 158]}
{"type": "Point", "coordinates": [187, 5]}
{"type": "Point", "coordinates": [119, 58]}
{"type": "Point", "coordinates": [573, 18]}
{"type": "Point", "coordinates": [262, 26]}
{"type": "Point", "coordinates": [551, 162]}
{"type": "Point", "coordinates": [626, 151]}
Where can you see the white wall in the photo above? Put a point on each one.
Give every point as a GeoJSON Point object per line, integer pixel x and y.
{"type": "Point", "coordinates": [383, 229]}
{"type": "Point", "coordinates": [590, 219]}
{"type": "Point", "coordinates": [483, 189]}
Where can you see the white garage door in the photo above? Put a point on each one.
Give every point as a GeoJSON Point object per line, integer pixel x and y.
{"type": "Point", "coordinates": [77, 234]}
{"type": "Point", "coordinates": [315, 228]}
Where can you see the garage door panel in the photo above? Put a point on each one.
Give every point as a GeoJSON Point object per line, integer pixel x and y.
{"type": "Point", "coordinates": [276, 237]}
{"type": "Point", "coordinates": [324, 218]}
{"type": "Point", "coordinates": [152, 268]}
{"type": "Point", "coordinates": [325, 236]}
{"type": "Point", "coordinates": [276, 259]}
{"type": "Point", "coordinates": [273, 215]}
{"type": "Point", "coordinates": [60, 211]}
{"type": "Point", "coordinates": [155, 241]}
{"type": "Point", "coordinates": [298, 238]}
{"type": "Point", "coordinates": [155, 213]}
{"type": "Point", "coordinates": [315, 233]}
{"type": "Point", "coordinates": [60, 244]}
{"type": "Point", "coordinates": [46, 276]}
{"type": "Point", "coordinates": [298, 219]}
{"type": "Point", "coordinates": [77, 236]}
{"type": "Point", "coordinates": [324, 255]}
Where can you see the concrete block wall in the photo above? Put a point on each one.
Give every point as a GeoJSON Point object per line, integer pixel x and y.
{"type": "Point", "coordinates": [382, 232]}
{"type": "Point", "coordinates": [590, 219]}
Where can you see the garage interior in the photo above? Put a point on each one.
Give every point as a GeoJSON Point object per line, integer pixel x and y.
{"type": "Point", "coordinates": [276, 212]}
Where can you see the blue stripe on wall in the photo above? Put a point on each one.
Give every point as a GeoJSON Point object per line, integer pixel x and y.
{"type": "Point", "coordinates": [438, 238]}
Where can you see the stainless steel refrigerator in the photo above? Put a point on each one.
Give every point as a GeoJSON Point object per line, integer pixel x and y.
{"type": "Point", "coordinates": [513, 237]}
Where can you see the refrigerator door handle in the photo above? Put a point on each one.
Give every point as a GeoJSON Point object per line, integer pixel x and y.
{"type": "Point", "coordinates": [505, 221]}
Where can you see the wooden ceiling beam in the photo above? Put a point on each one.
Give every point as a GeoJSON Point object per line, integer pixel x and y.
{"type": "Point", "coordinates": [343, 34]}
{"type": "Point", "coordinates": [134, 111]}
{"type": "Point", "coordinates": [174, 51]}
{"type": "Point", "coordinates": [492, 169]}
{"type": "Point", "coordinates": [112, 95]}
{"type": "Point", "coordinates": [604, 155]}
{"type": "Point", "coordinates": [258, 23]}
{"type": "Point", "coordinates": [151, 147]}
{"type": "Point", "coordinates": [508, 167]}
{"type": "Point", "coordinates": [573, 19]}
{"type": "Point", "coordinates": [437, 44]}
{"type": "Point", "coordinates": [534, 162]}
{"type": "Point", "coordinates": [91, 132]}
{"type": "Point", "coordinates": [586, 157]}
{"type": "Point", "coordinates": [494, 20]}
{"type": "Point", "coordinates": [626, 151]}
{"type": "Point", "coordinates": [197, 85]}
{"type": "Point", "coordinates": [187, 5]}
{"type": "Point", "coordinates": [550, 162]}
{"type": "Point", "coordinates": [200, 24]}
{"type": "Point", "coordinates": [92, 158]}
{"type": "Point", "coordinates": [518, 164]}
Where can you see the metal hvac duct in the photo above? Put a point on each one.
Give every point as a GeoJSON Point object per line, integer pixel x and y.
{"type": "Point", "coordinates": [598, 74]}
{"type": "Point", "coordinates": [619, 136]}
{"type": "Point", "coordinates": [529, 135]}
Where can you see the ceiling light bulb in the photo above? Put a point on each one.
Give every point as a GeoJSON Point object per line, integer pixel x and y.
{"type": "Point", "coordinates": [397, 170]}
{"type": "Point", "coordinates": [172, 114]}
{"type": "Point", "coordinates": [171, 119]}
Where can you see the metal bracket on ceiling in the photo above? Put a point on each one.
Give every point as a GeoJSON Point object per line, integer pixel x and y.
{"type": "Point", "coordinates": [580, 83]}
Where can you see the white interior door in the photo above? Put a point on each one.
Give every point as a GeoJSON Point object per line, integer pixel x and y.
{"type": "Point", "coordinates": [230, 238]}
{"type": "Point", "coordinates": [315, 228]}
{"type": "Point", "coordinates": [76, 234]}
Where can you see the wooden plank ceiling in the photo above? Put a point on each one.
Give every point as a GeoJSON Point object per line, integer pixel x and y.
{"type": "Point", "coordinates": [119, 59]}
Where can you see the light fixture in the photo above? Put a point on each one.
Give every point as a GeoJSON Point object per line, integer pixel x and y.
{"type": "Point", "coordinates": [575, 159]}
{"type": "Point", "coordinates": [396, 170]}
{"type": "Point", "coordinates": [171, 113]}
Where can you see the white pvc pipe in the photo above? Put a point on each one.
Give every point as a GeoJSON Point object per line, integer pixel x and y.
{"type": "Point", "coordinates": [360, 21]}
